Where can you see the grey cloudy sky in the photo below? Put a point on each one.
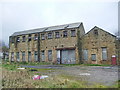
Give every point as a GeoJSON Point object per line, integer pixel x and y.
{"type": "Point", "coordinates": [19, 16]}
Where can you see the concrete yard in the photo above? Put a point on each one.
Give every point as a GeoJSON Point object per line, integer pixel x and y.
{"type": "Point", "coordinates": [105, 75]}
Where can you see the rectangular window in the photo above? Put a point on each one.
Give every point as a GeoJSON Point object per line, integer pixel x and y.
{"type": "Point", "coordinates": [18, 39]}
{"type": "Point", "coordinates": [104, 53]}
{"type": "Point", "coordinates": [42, 36]}
{"type": "Point", "coordinates": [96, 32]}
{"type": "Point", "coordinates": [49, 35]}
{"type": "Point", "coordinates": [36, 37]}
{"type": "Point", "coordinates": [85, 54]}
{"type": "Point", "coordinates": [43, 55]}
{"type": "Point", "coordinates": [57, 35]}
{"type": "Point", "coordinates": [93, 56]}
{"type": "Point", "coordinates": [23, 38]}
{"type": "Point", "coordinates": [36, 56]}
{"type": "Point", "coordinates": [49, 55]}
{"type": "Point", "coordinates": [12, 39]}
{"type": "Point", "coordinates": [29, 37]}
{"type": "Point", "coordinates": [23, 56]}
{"type": "Point", "coordinates": [12, 56]}
{"type": "Point", "coordinates": [17, 56]}
{"type": "Point", "coordinates": [73, 33]}
{"type": "Point", "coordinates": [29, 56]}
{"type": "Point", "coordinates": [64, 33]}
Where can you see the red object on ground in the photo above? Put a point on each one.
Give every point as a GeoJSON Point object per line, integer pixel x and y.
{"type": "Point", "coordinates": [35, 77]}
{"type": "Point", "coordinates": [114, 60]}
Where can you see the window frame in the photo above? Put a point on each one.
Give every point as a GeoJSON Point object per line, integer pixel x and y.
{"type": "Point", "coordinates": [42, 36]}
{"type": "Point", "coordinates": [18, 39]}
{"type": "Point", "coordinates": [65, 35]}
{"type": "Point", "coordinates": [85, 53]}
{"type": "Point", "coordinates": [104, 52]}
{"type": "Point", "coordinates": [36, 55]}
{"type": "Point", "coordinates": [43, 54]}
{"type": "Point", "coordinates": [36, 37]}
{"type": "Point", "coordinates": [57, 34]}
{"type": "Point", "coordinates": [73, 35]}
{"type": "Point", "coordinates": [29, 56]}
{"type": "Point", "coordinates": [93, 57]}
{"type": "Point", "coordinates": [23, 54]}
{"type": "Point", "coordinates": [23, 38]}
{"type": "Point", "coordinates": [50, 35]}
{"type": "Point", "coordinates": [49, 55]}
{"type": "Point", "coordinates": [18, 56]}
{"type": "Point", "coordinates": [29, 37]}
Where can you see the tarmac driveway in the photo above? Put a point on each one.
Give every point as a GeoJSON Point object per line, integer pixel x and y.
{"type": "Point", "coordinates": [91, 74]}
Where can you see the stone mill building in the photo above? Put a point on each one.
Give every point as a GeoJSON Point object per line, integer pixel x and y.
{"type": "Point", "coordinates": [63, 44]}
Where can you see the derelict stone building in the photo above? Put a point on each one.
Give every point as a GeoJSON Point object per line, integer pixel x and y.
{"type": "Point", "coordinates": [63, 44]}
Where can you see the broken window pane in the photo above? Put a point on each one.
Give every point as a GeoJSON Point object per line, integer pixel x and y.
{"type": "Point", "coordinates": [18, 39]}
{"type": "Point", "coordinates": [64, 33]}
{"type": "Point", "coordinates": [73, 33]}
{"type": "Point", "coordinates": [104, 53]}
{"type": "Point", "coordinates": [85, 54]}
{"type": "Point", "coordinates": [17, 56]}
{"type": "Point", "coordinates": [93, 56]}
{"type": "Point", "coordinates": [49, 54]}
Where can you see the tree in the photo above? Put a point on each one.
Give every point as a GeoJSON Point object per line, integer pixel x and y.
{"type": "Point", "coordinates": [5, 51]}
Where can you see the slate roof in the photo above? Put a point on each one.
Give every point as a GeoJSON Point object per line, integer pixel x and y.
{"type": "Point", "coordinates": [45, 29]}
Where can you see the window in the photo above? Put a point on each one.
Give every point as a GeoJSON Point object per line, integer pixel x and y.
{"type": "Point", "coordinates": [96, 32]}
{"type": "Point", "coordinates": [64, 33]}
{"type": "Point", "coordinates": [57, 35]}
{"type": "Point", "coordinates": [85, 54]}
{"type": "Point", "coordinates": [36, 56]}
{"type": "Point", "coordinates": [104, 53]}
{"type": "Point", "coordinates": [49, 35]}
{"type": "Point", "coordinates": [73, 33]}
{"type": "Point", "coordinates": [18, 39]}
{"type": "Point", "coordinates": [29, 37]}
{"type": "Point", "coordinates": [23, 38]}
{"type": "Point", "coordinates": [12, 56]}
{"type": "Point", "coordinates": [49, 55]}
{"type": "Point", "coordinates": [17, 56]}
{"type": "Point", "coordinates": [29, 56]}
{"type": "Point", "coordinates": [23, 56]}
{"type": "Point", "coordinates": [93, 56]}
{"type": "Point", "coordinates": [12, 39]}
{"type": "Point", "coordinates": [42, 36]}
{"type": "Point", "coordinates": [36, 37]}
{"type": "Point", "coordinates": [43, 55]}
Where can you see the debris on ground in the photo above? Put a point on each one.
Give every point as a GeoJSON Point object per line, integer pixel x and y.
{"type": "Point", "coordinates": [32, 70]}
{"type": "Point", "coordinates": [35, 77]}
{"type": "Point", "coordinates": [20, 68]}
{"type": "Point", "coordinates": [85, 74]}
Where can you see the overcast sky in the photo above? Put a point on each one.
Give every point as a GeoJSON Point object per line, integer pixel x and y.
{"type": "Point", "coordinates": [25, 15]}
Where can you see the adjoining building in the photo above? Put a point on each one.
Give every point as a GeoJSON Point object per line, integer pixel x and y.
{"type": "Point", "coordinates": [63, 44]}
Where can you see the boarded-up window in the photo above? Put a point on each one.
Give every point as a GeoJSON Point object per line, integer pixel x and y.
{"type": "Point", "coordinates": [85, 54]}
{"type": "Point", "coordinates": [93, 56]}
{"type": "Point", "coordinates": [18, 56]}
{"type": "Point", "coordinates": [36, 56]}
{"type": "Point", "coordinates": [12, 56]}
{"type": "Point", "coordinates": [43, 55]}
{"type": "Point", "coordinates": [29, 56]}
{"type": "Point", "coordinates": [104, 53]}
{"type": "Point", "coordinates": [49, 54]}
{"type": "Point", "coordinates": [73, 33]}
{"type": "Point", "coordinates": [57, 34]}
{"type": "Point", "coordinates": [23, 56]}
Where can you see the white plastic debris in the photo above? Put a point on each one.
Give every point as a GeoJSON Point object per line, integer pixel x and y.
{"type": "Point", "coordinates": [35, 77]}
{"type": "Point", "coordinates": [20, 68]}
{"type": "Point", "coordinates": [42, 77]}
{"type": "Point", "coordinates": [85, 74]}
